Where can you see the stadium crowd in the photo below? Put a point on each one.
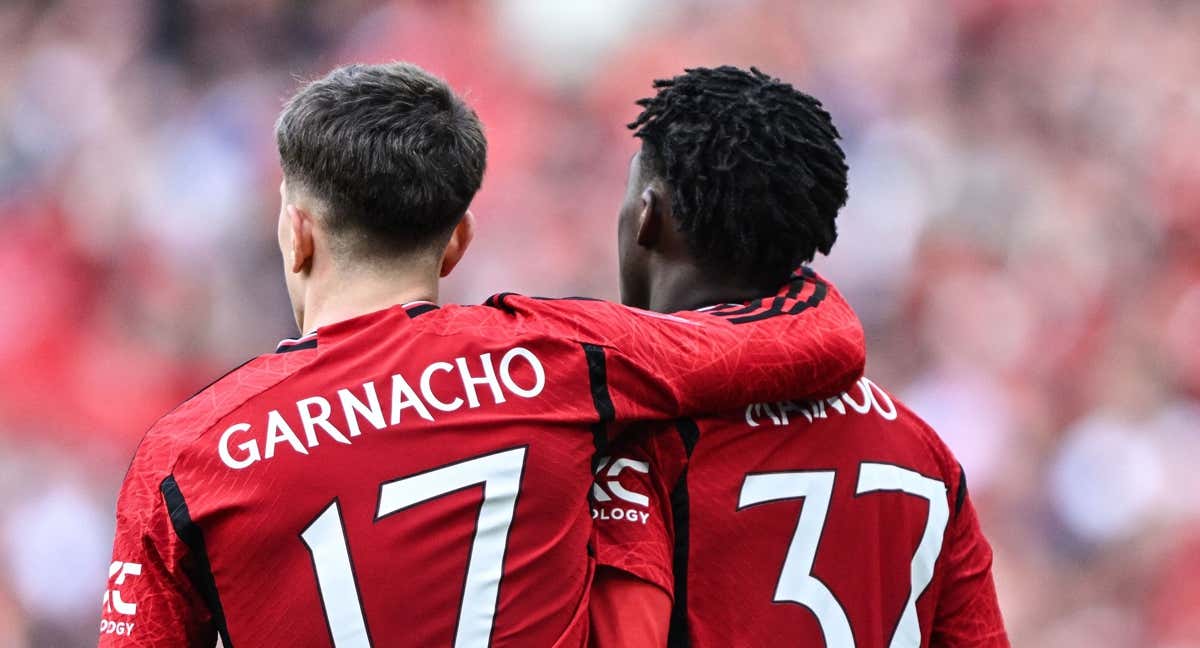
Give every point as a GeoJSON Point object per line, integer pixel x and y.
{"type": "Point", "coordinates": [1022, 242]}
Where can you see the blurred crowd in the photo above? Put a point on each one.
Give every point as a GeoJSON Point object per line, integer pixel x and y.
{"type": "Point", "coordinates": [1022, 241]}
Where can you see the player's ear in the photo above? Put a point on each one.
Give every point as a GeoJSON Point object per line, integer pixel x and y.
{"type": "Point", "coordinates": [650, 218]}
{"type": "Point", "coordinates": [300, 226]}
{"type": "Point", "coordinates": [460, 240]}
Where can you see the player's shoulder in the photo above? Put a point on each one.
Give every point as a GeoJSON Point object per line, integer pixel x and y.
{"type": "Point", "coordinates": [501, 317]}
{"type": "Point", "coordinates": [520, 308]}
{"type": "Point", "coordinates": [175, 430]}
{"type": "Point", "coordinates": [572, 319]}
{"type": "Point", "coordinates": [592, 321]}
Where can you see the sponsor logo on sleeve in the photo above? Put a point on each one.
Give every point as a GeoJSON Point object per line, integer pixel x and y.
{"type": "Point", "coordinates": [613, 501]}
{"type": "Point", "coordinates": [117, 605]}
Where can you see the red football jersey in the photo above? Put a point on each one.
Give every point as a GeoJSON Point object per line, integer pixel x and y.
{"type": "Point", "coordinates": [842, 522]}
{"type": "Point", "coordinates": [418, 476]}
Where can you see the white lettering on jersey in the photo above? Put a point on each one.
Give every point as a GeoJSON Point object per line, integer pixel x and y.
{"type": "Point", "coordinates": [119, 628]}
{"type": "Point", "coordinates": [243, 444]}
{"type": "Point", "coordinates": [867, 397]}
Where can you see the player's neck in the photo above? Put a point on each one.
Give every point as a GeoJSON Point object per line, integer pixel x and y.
{"type": "Point", "coordinates": [689, 287]}
{"type": "Point", "coordinates": [342, 296]}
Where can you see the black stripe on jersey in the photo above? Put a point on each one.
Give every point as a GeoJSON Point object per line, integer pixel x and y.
{"type": "Point", "coordinates": [820, 290]}
{"type": "Point", "coordinates": [766, 307]}
{"type": "Point", "coordinates": [795, 285]}
{"type": "Point", "coordinates": [420, 309]}
{"type": "Point", "coordinates": [748, 308]}
{"type": "Point", "coordinates": [689, 433]}
{"type": "Point", "coordinates": [601, 399]}
{"type": "Point", "coordinates": [961, 496]}
{"type": "Point", "coordinates": [191, 535]}
{"type": "Point", "coordinates": [288, 348]}
{"type": "Point", "coordinates": [777, 304]}
{"type": "Point", "coordinates": [497, 300]}
{"type": "Point", "coordinates": [679, 635]}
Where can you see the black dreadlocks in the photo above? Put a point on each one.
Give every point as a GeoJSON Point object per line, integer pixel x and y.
{"type": "Point", "coordinates": [753, 167]}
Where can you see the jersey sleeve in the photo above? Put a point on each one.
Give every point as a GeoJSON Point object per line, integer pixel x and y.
{"type": "Point", "coordinates": [804, 342]}
{"type": "Point", "coordinates": [150, 599]}
{"type": "Point", "coordinates": [627, 612]}
{"type": "Point", "coordinates": [631, 503]}
{"type": "Point", "coordinates": [968, 612]}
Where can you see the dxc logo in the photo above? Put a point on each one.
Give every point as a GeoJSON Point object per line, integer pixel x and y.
{"type": "Point", "coordinates": [112, 596]}
{"type": "Point", "coordinates": [610, 481]}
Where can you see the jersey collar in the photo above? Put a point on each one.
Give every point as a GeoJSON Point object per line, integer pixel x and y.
{"type": "Point", "coordinates": [409, 310]}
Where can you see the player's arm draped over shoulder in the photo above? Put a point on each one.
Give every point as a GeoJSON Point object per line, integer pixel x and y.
{"type": "Point", "coordinates": [692, 362]}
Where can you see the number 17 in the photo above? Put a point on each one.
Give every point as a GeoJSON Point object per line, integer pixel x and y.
{"type": "Point", "coordinates": [499, 473]}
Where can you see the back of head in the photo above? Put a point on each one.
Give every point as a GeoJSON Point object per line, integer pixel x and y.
{"type": "Point", "coordinates": [753, 168]}
{"type": "Point", "coordinates": [390, 153]}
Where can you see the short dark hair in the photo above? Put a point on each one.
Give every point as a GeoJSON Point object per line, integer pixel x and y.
{"type": "Point", "coordinates": [753, 167]}
{"type": "Point", "coordinates": [392, 152]}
